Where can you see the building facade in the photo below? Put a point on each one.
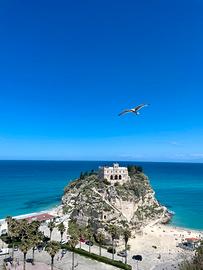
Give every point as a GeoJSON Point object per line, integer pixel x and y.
{"type": "Point", "coordinates": [114, 174]}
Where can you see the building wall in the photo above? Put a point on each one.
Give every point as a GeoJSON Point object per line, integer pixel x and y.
{"type": "Point", "coordinates": [114, 174]}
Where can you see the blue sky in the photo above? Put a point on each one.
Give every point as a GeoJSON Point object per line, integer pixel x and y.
{"type": "Point", "coordinates": [67, 68]}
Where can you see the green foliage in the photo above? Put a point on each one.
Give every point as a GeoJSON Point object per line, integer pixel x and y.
{"type": "Point", "coordinates": [61, 227]}
{"type": "Point", "coordinates": [133, 169]}
{"type": "Point", "coordinates": [100, 238]}
{"type": "Point", "coordinates": [86, 174]}
{"type": "Point", "coordinates": [96, 257]}
{"type": "Point", "coordinates": [115, 231]}
{"type": "Point", "coordinates": [52, 248]}
{"type": "Point", "coordinates": [196, 263]}
{"type": "Point", "coordinates": [66, 209]}
{"type": "Point", "coordinates": [25, 245]}
{"type": "Point", "coordinates": [126, 235]}
{"type": "Point", "coordinates": [51, 225]}
{"type": "Point", "coordinates": [111, 250]}
{"type": "Point", "coordinates": [106, 182]}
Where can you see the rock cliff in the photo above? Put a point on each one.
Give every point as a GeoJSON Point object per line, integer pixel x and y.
{"type": "Point", "coordinates": [94, 201]}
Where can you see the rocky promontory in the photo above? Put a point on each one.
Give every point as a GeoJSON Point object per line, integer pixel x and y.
{"type": "Point", "coordinates": [100, 203]}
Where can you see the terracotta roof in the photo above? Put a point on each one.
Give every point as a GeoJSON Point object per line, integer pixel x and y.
{"type": "Point", "coordinates": [40, 217]}
{"type": "Point", "coordinates": [192, 239]}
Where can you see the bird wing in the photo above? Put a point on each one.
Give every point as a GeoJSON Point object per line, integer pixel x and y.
{"type": "Point", "coordinates": [124, 112]}
{"type": "Point", "coordinates": [140, 107]}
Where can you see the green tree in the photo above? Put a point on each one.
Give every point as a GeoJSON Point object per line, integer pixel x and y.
{"type": "Point", "coordinates": [52, 248]}
{"type": "Point", "coordinates": [126, 236]}
{"type": "Point", "coordinates": [81, 233]}
{"type": "Point", "coordinates": [89, 236]}
{"type": "Point", "coordinates": [13, 231]}
{"type": "Point", "coordinates": [62, 229]}
{"type": "Point", "coordinates": [35, 239]}
{"type": "Point", "coordinates": [25, 229]}
{"type": "Point", "coordinates": [25, 246]}
{"type": "Point", "coordinates": [51, 226]}
{"type": "Point", "coordinates": [73, 242]}
{"type": "Point", "coordinates": [100, 239]}
{"type": "Point", "coordinates": [114, 231]}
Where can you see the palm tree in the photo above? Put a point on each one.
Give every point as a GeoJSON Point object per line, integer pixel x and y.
{"type": "Point", "coordinates": [73, 242]}
{"type": "Point", "coordinates": [114, 234]}
{"type": "Point", "coordinates": [13, 231]}
{"type": "Point", "coordinates": [51, 226]}
{"type": "Point", "coordinates": [24, 247]}
{"type": "Point", "coordinates": [126, 236]}
{"type": "Point", "coordinates": [34, 225]}
{"type": "Point", "coordinates": [25, 228]}
{"type": "Point", "coordinates": [61, 228]}
{"type": "Point", "coordinates": [52, 248]}
{"type": "Point", "coordinates": [100, 238]}
{"type": "Point", "coordinates": [36, 239]}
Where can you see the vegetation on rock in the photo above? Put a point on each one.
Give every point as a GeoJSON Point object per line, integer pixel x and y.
{"type": "Point", "coordinates": [91, 201]}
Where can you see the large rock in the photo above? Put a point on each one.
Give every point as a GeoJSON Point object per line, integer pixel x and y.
{"type": "Point", "coordinates": [99, 203]}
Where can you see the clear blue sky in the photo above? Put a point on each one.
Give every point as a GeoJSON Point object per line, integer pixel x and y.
{"type": "Point", "coordinates": [67, 68]}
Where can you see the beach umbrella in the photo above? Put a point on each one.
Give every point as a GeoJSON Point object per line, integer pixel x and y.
{"type": "Point", "coordinates": [134, 110]}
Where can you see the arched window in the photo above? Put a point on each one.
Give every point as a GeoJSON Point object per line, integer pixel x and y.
{"type": "Point", "coordinates": [116, 177]}
{"type": "Point", "coordinates": [111, 177]}
{"type": "Point", "coordinates": [120, 177]}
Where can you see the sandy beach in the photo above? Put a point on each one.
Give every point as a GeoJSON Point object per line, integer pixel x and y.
{"type": "Point", "coordinates": [158, 246]}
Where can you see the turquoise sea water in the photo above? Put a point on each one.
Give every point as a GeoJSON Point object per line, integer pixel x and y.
{"type": "Point", "coordinates": [31, 186]}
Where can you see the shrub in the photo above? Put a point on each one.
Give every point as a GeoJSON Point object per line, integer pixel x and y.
{"type": "Point", "coordinates": [111, 250]}
{"type": "Point", "coordinates": [96, 257]}
{"type": "Point", "coordinates": [106, 182]}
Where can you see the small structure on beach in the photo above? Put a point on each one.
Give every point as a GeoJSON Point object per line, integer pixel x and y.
{"type": "Point", "coordinates": [190, 243]}
{"type": "Point", "coordinates": [114, 173]}
{"type": "Point", "coordinates": [41, 217]}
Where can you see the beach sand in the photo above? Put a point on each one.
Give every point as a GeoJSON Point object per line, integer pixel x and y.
{"type": "Point", "coordinates": [158, 246]}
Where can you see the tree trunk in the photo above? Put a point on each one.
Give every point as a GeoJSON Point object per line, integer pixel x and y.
{"type": "Point", "coordinates": [50, 234]}
{"type": "Point", "coordinates": [99, 250]}
{"type": "Point", "coordinates": [61, 237]}
{"type": "Point", "coordinates": [33, 254]}
{"type": "Point", "coordinates": [126, 253]}
{"type": "Point", "coordinates": [73, 261]}
{"type": "Point", "coordinates": [13, 250]}
{"type": "Point", "coordinates": [112, 249]}
{"type": "Point", "coordinates": [52, 262]}
{"type": "Point", "coordinates": [24, 261]}
{"type": "Point", "coordinates": [89, 248]}
{"type": "Point", "coordinates": [80, 243]}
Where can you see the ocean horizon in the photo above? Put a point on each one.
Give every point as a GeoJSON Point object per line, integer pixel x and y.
{"type": "Point", "coordinates": [37, 185]}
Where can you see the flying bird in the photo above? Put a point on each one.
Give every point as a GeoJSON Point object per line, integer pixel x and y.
{"type": "Point", "coordinates": [134, 110]}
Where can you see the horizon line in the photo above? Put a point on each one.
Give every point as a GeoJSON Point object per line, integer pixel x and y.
{"type": "Point", "coordinates": [94, 160]}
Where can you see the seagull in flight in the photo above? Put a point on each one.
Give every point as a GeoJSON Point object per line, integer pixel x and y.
{"type": "Point", "coordinates": [134, 110]}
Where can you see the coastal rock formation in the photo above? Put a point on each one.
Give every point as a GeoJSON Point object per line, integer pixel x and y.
{"type": "Point", "coordinates": [98, 202]}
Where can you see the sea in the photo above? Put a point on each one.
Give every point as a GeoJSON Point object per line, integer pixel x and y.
{"type": "Point", "coordinates": [33, 186]}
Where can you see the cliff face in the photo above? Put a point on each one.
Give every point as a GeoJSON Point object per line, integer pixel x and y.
{"type": "Point", "coordinates": [91, 200]}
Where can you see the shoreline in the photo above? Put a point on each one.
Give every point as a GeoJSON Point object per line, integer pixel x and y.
{"type": "Point", "coordinates": [54, 210]}
{"type": "Point", "coordinates": [49, 211]}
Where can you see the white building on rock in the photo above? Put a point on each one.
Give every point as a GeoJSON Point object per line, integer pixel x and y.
{"type": "Point", "coordinates": [114, 174]}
